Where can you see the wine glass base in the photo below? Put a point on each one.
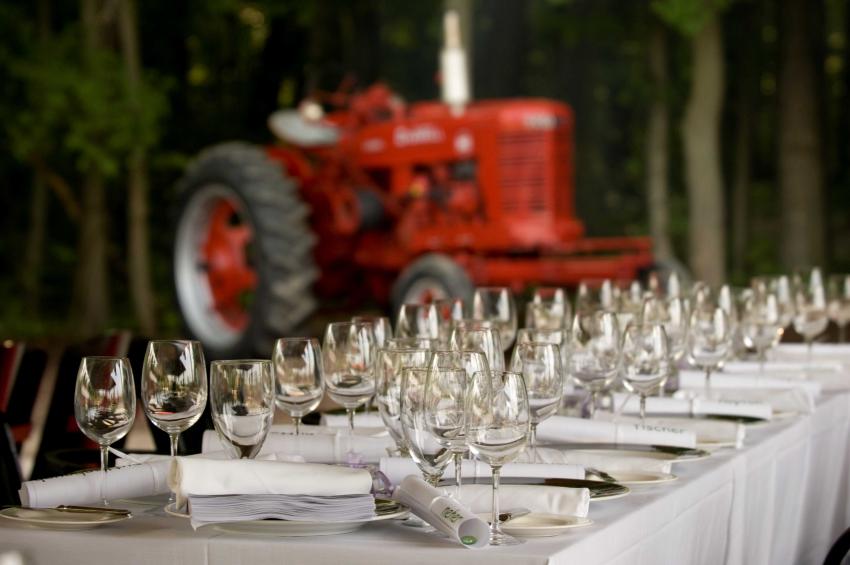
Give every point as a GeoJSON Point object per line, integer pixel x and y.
{"type": "Point", "coordinates": [501, 538]}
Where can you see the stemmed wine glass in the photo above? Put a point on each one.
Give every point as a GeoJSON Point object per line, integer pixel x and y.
{"type": "Point", "coordinates": [810, 313]}
{"type": "Point", "coordinates": [540, 367]}
{"type": "Point", "coordinates": [496, 304]}
{"type": "Point", "coordinates": [497, 428]}
{"type": "Point", "coordinates": [411, 343]}
{"type": "Point", "coordinates": [449, 311]}
{"type": "Point", "coordinates": [347, 356]}
{"type": "Point", "coordinates": [646, 360]}
{"type": "Point", "coordinates": [417, 320]}
{"type": "Point", "coordinates": [242, 398]}
{"type": "Point", "coordinates": [487, 341]}
{"type": "Point", "coordinates": [709, 339]}
{"type": "Point", "coordinates": [299, 386]}
{"type": "Point", "coordinates": [673, 316]}
{"type": "Point", "coordinates": [761, 322]}
{"type": "Point", "coordinates": [549, 309]}
{"type": "Point", "coordinates": [389, 368]}
{"type": "Point", "coordinates": [839, 303]}
{"type": "Point", "coordinates": [445, 397]}
{"type": "Point", "coordinates": [559, 337]}
{"type": "Point", "coordinates": [594, 352]}
{"type": "Point", "coordinates": [431, 457]}
{"type": "Point", "coordinates": [381, 327]}
{"type": "Point", "coordinates": [105, 405]}
{"type": "Point", "coordinates": [174, 386]}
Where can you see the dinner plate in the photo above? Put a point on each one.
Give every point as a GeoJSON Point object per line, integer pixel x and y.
{"type": "Point", "coordinates": [541, 525]}
{"type": "Point", "coordinates": [293, 528]}
{"type": "Point", "coordinates": [599, 490]}
{"type": "Point", "coordinates": [53, 519]}
{"type": "Point", "coordinates": [662, 452]}
{"type": "Point", "coordinates": [640, 478]}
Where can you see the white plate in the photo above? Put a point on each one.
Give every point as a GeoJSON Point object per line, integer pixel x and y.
{"type": "Point", "coordinates": [60, 520]}
{"type": "Point", "coordinates": [541, 525]}
{"type": "Point", "coordinates": [292, 528]}
{"type": "Point", "coordinates": [633, 478]}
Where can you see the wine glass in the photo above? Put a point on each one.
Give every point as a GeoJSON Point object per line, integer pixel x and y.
{"type": "Point", "coordinates": [709, 340]}
{"type": "Point", "coordinates": [445, 398]}
{"type": "Point", "coordinates": [761, 322]}
{"type": "Point", "coordinates": [631, 302]}
{"type": "Point", "coordinates": [497, 428]}
{"type": "Point", "coordinates": [242, 398]}
{"type": "Point", "coordinates": [174, 387]}
{"type": "Point", "coordinates": [449, 311]}
{"type": "Point", "coordinates": [411, 343]}
{"type": "Point", "coordinates": [429, 455]}
{"type": "Point", "coordinates": [810, 312]}
{"type": "Point", "coordinates": [559, 337]}
{"type": "Point", "coordinates": [609, 295]}
{"type": "Point", "coordinates": [673, 316]}
{"type": "Point", "coordinates": [105, 405]}
{"type": "Point", "coordinates": [839, 303]}
{"type": "Point", "coordinates": [389, 368]}
{"type": "Point", "coordinates": [381, 327]}
{"type": "Point", "coordinates": [787, 307]}
{"type": "Point", "coordinates": [299, 387]}
{"type": "Point", "coordinates": [646, 360]}
{"type": "Point", "coordinates": [347, 356]}
{"type": "Point", "coordinates": [540, 366]}
{"type": "Point", "coordinates": [594, 352]}
{"type": "Point", "coordinates": [497, 305]}
{"type": "Point", "coordinates": [549, 309]}
{"type": "Point", "coordinates": [488, 341]}
{"type": "Point", "coordinates": [417, 320]}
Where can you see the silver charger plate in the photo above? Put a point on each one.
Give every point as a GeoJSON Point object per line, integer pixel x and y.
{"type": "Point", "coordinates": [53, 519]}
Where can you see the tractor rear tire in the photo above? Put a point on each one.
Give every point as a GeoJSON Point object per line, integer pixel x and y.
{"type": "Point", "coordinates": [264, 231]}
{"type": "Point", "coordinates": [435, 275]}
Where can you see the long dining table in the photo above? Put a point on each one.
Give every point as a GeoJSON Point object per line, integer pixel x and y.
{"type": "Point", "coordinates": [782, 498]}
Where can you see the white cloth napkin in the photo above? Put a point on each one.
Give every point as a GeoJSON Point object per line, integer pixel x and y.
{"type": "Point", "coordinates": [695, 379]}
{"type": "Point", "coordinates": [707, 431]}
{"type": "Point", "coordinates": [612, 464]}
{"type": "Point", "coordinates": [444, 513]}
{"type": "Point", "coordinates": [543, 499]}
{"type": "Point", "coordinates": [361, 420]}
{"type": "Point", "coordinates": [397, 468]}
{"type": "Point", "coordinates": [630, 404]}
{"type": "Point", "coordinates": [319, 445]}
{"type": "Point", "coordinates": [564, 429]}
{"type": "Point", "coordinates": [781, 401]}
{"type": "Point", "coordinates": [191, 475]}
{"type": "Point", "coordinates": [85, 488]}
{"type": "Point", "coordinates": [831, 375]}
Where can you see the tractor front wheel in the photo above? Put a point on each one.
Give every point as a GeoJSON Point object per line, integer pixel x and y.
{"type": "Point", "coordinates": [431, 277]}
{"type": "Point", "coordinates": [243, 263]}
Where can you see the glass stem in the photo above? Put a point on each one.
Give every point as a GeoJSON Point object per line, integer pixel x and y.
{"type": "Point", "coordinates": [458, 456]}
{"type": "Point", "coordinates": [592, 407]}
{"type": "Point", "coordinates": [534, 442]}
{"type": "Point", "coordinates": [104, 464]}
{"type": "Point", "coordinates": [762, 357]}
{"type": "Point", "coordinates": [809, 347]}
{"type": "Point", "coordinates": [842, 333]}
{"type": "Point", "coordinates": [643, 408]}
{"type": "Point", "coordinates": [297, 425]}
{"type": "Point", "coordinates": [708, 382]}
{"type": "Point", "coordinates": [494, 521]}
{"type": "Point", "coordinates": [350, 419]}
{"type": "Point", "coordinates": [173, 439]}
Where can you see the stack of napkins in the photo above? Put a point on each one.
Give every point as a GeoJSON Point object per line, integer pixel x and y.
{"type": "Point", "coordinates": [270, 489]}
{"type": "Point", "coordinates": [564, 429]}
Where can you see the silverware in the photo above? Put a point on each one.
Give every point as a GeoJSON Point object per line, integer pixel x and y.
{"type": "Point", "coordinates": [601, 474]}
{"type": "Point", "coordinates": [513, 513]}
{"type": "Point", "coordinates": [93, 509]}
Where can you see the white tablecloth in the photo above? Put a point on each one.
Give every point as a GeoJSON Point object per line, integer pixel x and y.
{"type": "Point", "coordinates": [782, 499]}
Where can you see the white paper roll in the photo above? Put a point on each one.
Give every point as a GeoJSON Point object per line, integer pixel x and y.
{"type": "Point", "coordinates": [564, 429]}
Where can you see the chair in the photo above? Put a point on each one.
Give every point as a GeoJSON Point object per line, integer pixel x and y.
{"type": "Point", "coordinates": [838, 553]}
{"type": "Point", "coordinates": [23, 395]}
{"type": "Point", "coordinates": [10, 470]}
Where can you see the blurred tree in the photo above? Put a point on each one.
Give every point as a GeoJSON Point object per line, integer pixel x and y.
{"type": "Point", "coordinates": [800, 152]}
{"type": "Point", "coordinates": [699, 20]}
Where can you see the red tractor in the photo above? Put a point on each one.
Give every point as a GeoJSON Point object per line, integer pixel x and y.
{"type": "Point", "coordinates": [400, 202]}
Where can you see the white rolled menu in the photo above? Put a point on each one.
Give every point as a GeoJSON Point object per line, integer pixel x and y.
{"type": "Point", "coordinates": [607, 462]}
{"type": "Point", "coordinates": [537, 498]}
{"type": "Point", "coordinates": [696, 379]}
{"type": "Point", "coordinates": [190, 475]}
{"type": "Point", "coordinates": [397, 468]}
{"type": "Point", "coordinates": [323, 445]}
{"type": "Point", "coordinates": [361, 420]}
{"type": "Point", "coordinates": [781, 401]}
{"type": "Point", "coordinates": [444, 513]}
{"type": "Point", "coordinates": [630, 404]}
{"type": "Point", "coordinates": [564, 429]}
{"type": "Point", "coordinates": [133, 481]}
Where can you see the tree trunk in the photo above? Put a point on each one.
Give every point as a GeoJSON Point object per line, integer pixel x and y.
{"type": "Point", "coordinates": [700, 132]}
{"type": "Point", "coordinates": [741, 186]}
{"type": "Point", "coordinates": [90, 306]}
{"type": "Point", "coordinates": [800, 158]}
{"type": "Point", "coordinates": [138, 240]}
{"type": "Point", "coordinates": [657, 148]}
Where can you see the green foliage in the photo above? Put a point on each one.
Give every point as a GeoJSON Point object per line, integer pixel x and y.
{"type": "Point", "coordinates": [688, 16]}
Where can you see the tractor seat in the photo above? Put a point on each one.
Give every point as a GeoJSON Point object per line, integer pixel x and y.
{"type": "Point", "coordinates": [290, 126]}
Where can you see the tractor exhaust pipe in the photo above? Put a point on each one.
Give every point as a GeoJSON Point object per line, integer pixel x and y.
{"type": "Point", "coordinates": [453, 71]}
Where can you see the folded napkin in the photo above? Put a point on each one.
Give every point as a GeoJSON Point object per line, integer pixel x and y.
{"type": "Point", "coordinates": [612, 464]}
{"type": "Point", "coordinates": [630, 404]}
{"type": "Point", "coordinates": [192, 476]}
{"type": "Point", "coordinates": [696, 379]}
{"type": "Point", "coordinates": [707, 431]}
{"type": "Point", "coordinates": [542, 499]}
{"type": "Point", "coordinates": [446, 514]}
{"type": "Point", "coordinates": [144, 479]}
{"type": "Point", "coordinates": [319, 445]}
{"type": "Point", "coordinates": [361, 420]}
{"type": "Point", "coordinates": [781, 401]}
{"type": "Point", "coordinates": [831, 375]}
{"type": "Point", "coordinates": [397, 468]}
{"type": "Point", "coordinates": [563, 429]}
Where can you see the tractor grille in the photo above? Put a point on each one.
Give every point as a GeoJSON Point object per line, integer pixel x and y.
{"type": "Point", "coordinates": [533, 163]}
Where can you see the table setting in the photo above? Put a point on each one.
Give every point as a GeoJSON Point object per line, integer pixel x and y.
{"type": "Point", "coordinates": [560, 440]}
